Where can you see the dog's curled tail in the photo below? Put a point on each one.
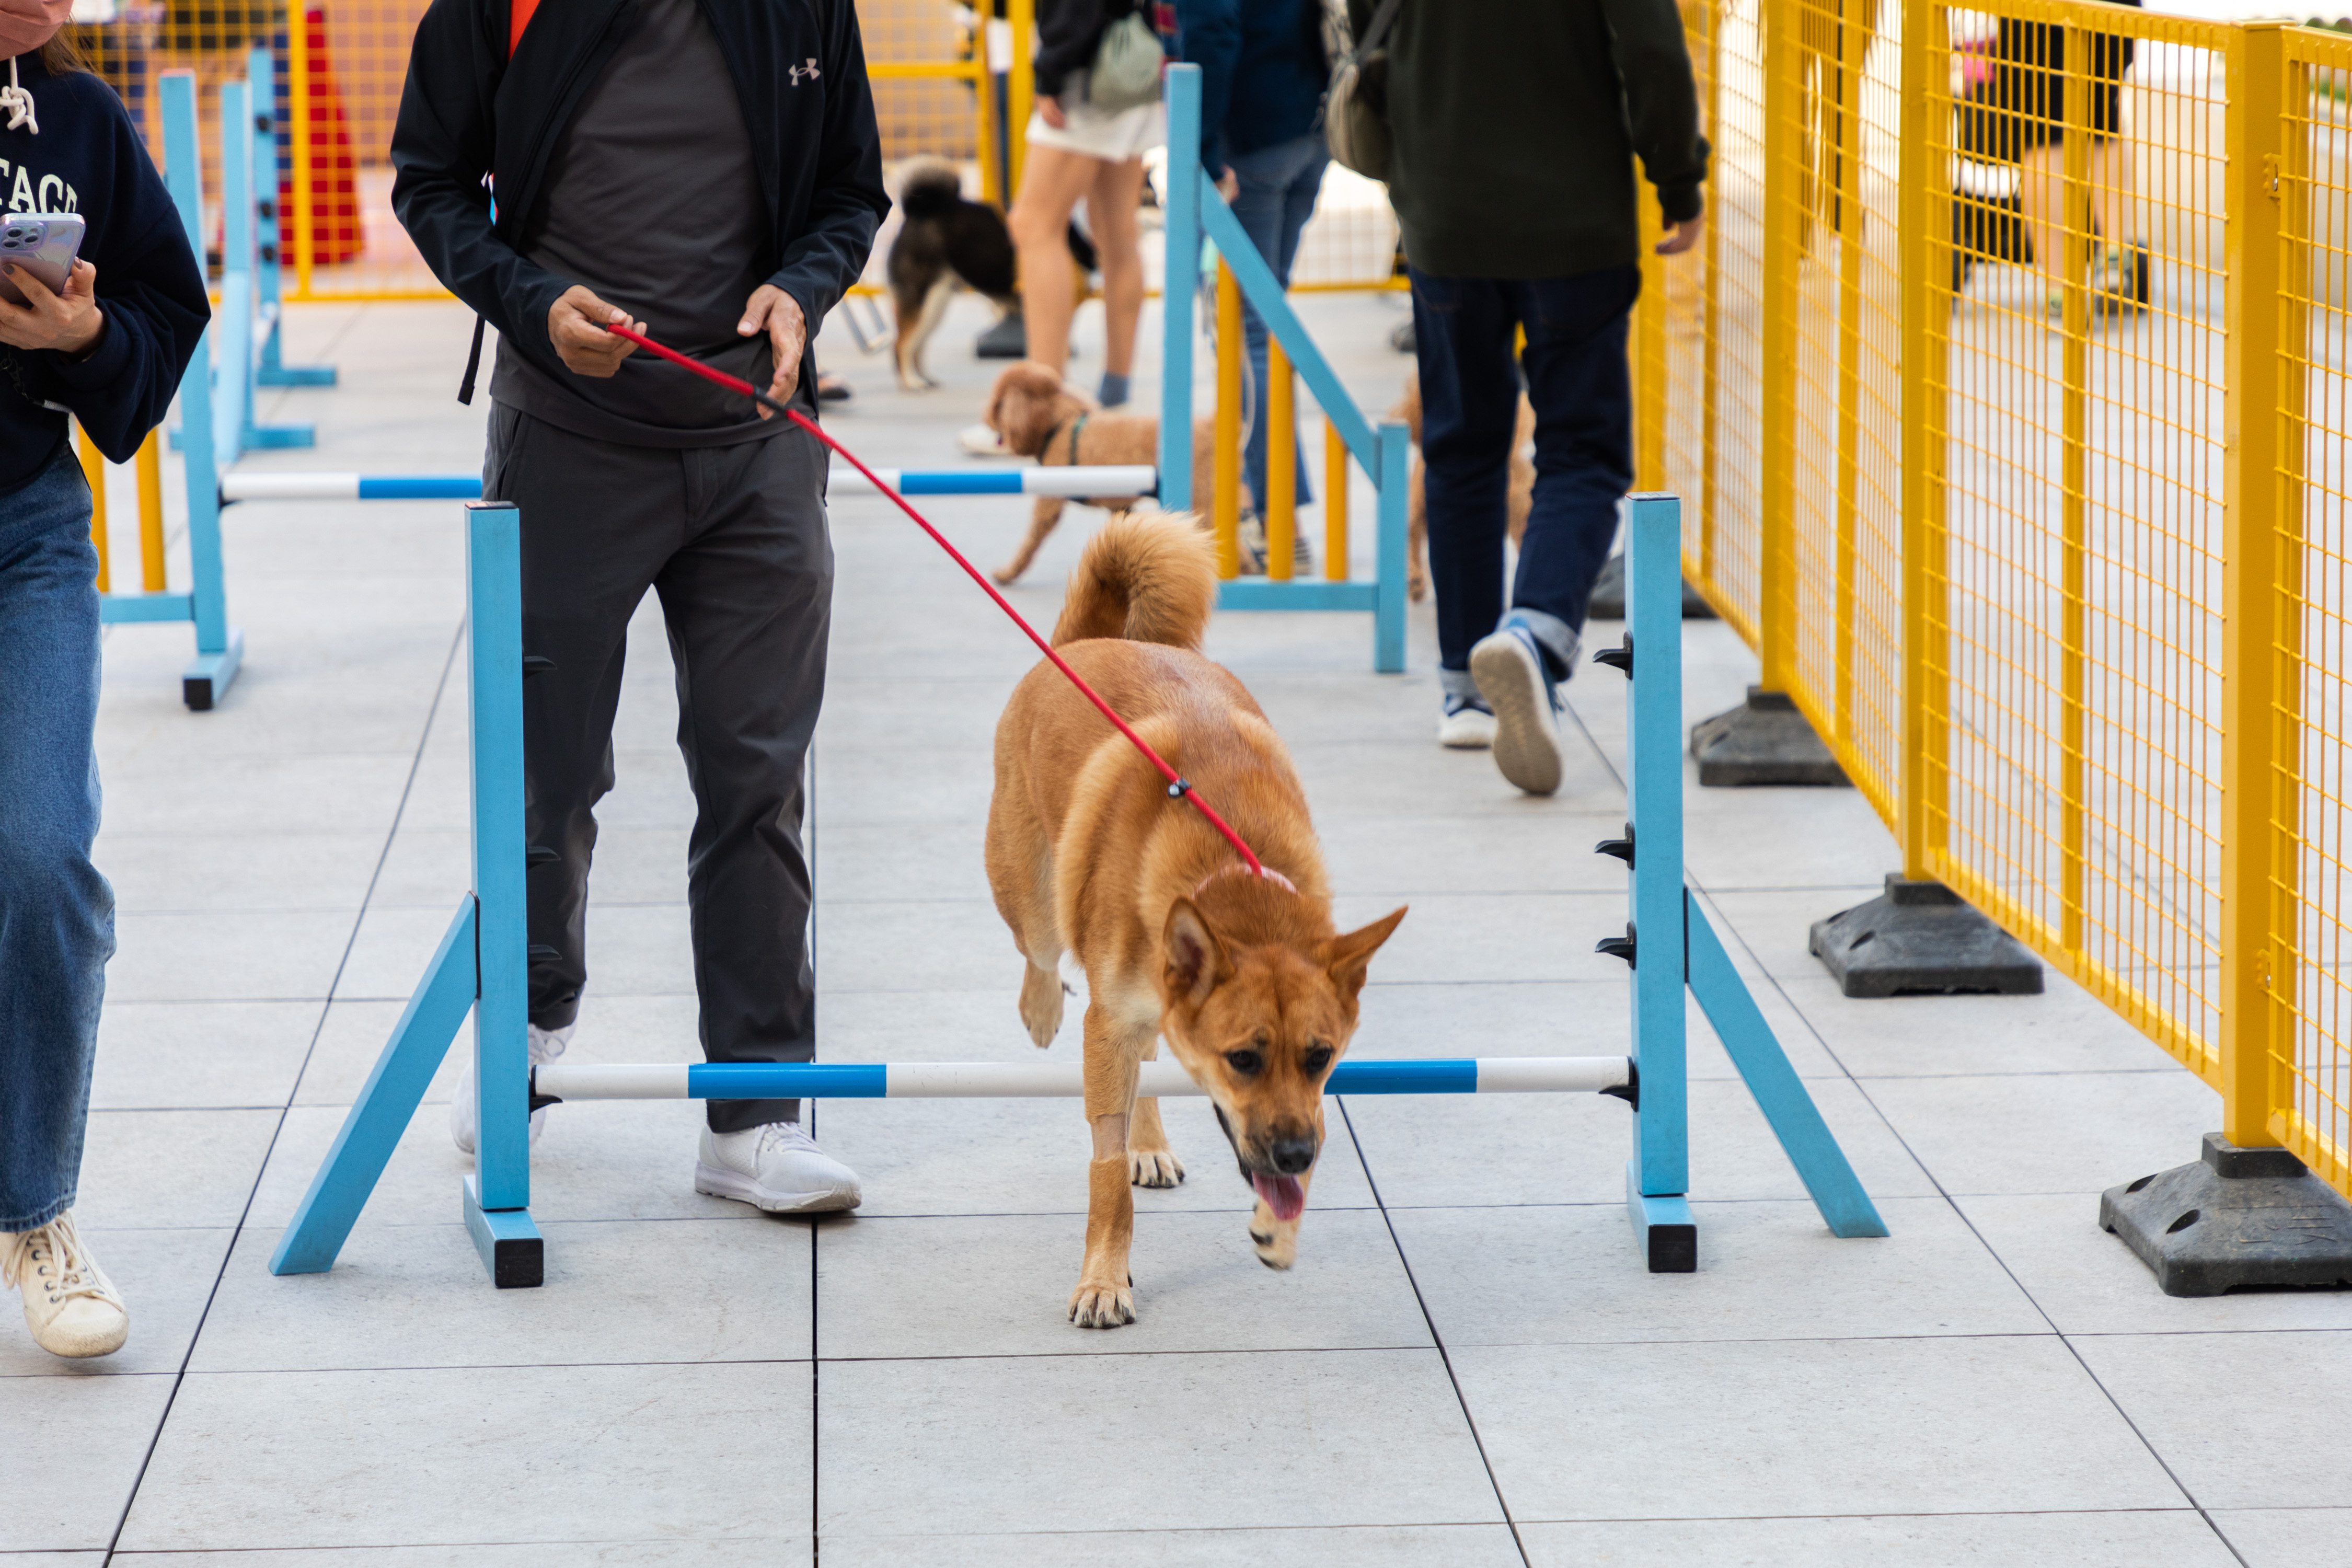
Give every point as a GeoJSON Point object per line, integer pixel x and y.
{"type": "Point", "coordinates": [1146, 577]}
{"type": "Point", "coordinates": [930, 188]}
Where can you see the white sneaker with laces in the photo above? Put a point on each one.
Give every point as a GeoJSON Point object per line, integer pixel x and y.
{"type": "Point", "coordinates": [72, 1308]}
{"type": "Point", "coordinates": [982, 442]}
{"type": "Point", "coordinates": [1464, 726]}
{"type": "Point", "coordinates": [777, 1167]}
{"type": "Point", "coordinates": [1509, 670]}
{"type": "Point", "coordinates": [546, 1044]}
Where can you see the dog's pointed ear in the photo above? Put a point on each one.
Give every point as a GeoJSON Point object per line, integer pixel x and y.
{"type": "Point", "coordinates": [1349, 954]}
{"type": "Point", "coordinates": [1197, 960]}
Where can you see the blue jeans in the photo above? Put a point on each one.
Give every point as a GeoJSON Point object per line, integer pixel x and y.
{"type": "Point", "coordinates": [1583, 399]}
{"type": "Point", "coordinates": [1277, 196]}
{"type": "Point", "coordinates": [57, 914]}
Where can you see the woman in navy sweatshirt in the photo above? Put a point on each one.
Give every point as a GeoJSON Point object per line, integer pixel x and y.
{"type": "Point", "coordinates": [109, 351]}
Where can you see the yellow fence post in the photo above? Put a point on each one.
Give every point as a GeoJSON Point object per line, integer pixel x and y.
{"type": "Point", "coordinates": [1225, 482]}
{"type": "Point", "coordinates": [1711, 376]}
{"type": "Point", "coordinates": [93, 469]}
{"type": "Point", "coordinates": [1844, 148]}
{"type": "Point", "coordinates": [2262, 638]}
{"type": "Point", "coordinates": [150, 512]}
{"type": "Point", "coordinates": [1335, 503]}
{"type": "Point", "coordinates": [1279, 505]}
{"type": "Point", "coordinates": [2074, 490]}
{"type": "Point", "coordinates": [1649, 351]}
{"type": "Point", "coordinates": [298, 98]}
{"type": "Point", "coordinates": [1021, 16]}
{"type": "Point", "coordinates": [1925, 241]}
{"type": "Point", "coordinates": [1783, 193]}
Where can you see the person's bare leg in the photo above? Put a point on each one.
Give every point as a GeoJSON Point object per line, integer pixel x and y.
{"type": "Point", "coordinates": [1052, 181]}
{"type": "Point", "coordinates": [2111, 190]}
{"type": "Point", "coordinates": [2042, 200]}
{"type": "Point", "coordinates": [1110, 215]}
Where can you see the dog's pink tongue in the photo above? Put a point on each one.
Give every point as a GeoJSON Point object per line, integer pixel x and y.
{"type": "Point", "coordinates": [1281, 1194]}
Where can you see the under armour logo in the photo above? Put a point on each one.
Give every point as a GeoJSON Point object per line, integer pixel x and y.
{"type": "Point", "coordinates": [797, 72]}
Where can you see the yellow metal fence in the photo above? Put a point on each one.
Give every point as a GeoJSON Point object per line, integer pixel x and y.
{"type": "Point", "coordinates": [2009, 399]}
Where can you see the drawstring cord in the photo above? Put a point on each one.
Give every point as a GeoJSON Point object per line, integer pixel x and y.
{"type": "Point", "coordinates": [18, 103]}
{"type": "Point", "coordinates": [1179, 787]}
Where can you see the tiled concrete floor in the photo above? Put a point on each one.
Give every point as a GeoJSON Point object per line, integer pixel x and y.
{"type": "Point", "coordinates": [1466, 1367]}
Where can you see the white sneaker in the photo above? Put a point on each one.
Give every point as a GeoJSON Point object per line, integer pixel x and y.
{"type": "Point", "coordinates": [1509, 670]}
{"type": "Point", "coordinates": [982, 442]}
{"type": "Point", "coordinates": [72, 1308]}
{"type": "Point", "coordinates": [777, 1167]}
{"type": "Point", "coordinates": [1465, 726]}
{"type": "Point", "coordinates": [546, 1044]}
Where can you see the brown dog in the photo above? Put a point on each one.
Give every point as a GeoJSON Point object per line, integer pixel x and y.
{"type": "Point", "coordinates": [1245, 978]}
{"type": "Point", "coordinates": [1037, 416]}
{"type": "Point", "coordinates": [1522, 494]}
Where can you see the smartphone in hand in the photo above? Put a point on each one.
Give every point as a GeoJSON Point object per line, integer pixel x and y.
{"type": "Point", "coordinates": [43, 243]}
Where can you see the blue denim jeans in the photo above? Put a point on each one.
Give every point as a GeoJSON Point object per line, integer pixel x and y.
{"type": "Point", "coordinates": [57, 914]}
{"type": "Point", "coordinates": [1583, 399]}
{"type": "Point", "coordinates": [1277, 196]}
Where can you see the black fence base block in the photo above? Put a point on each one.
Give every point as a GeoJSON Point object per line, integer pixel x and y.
{"type": "Point", "coordinates": [1607, 601]}
{"type": "Point", "coordinates": [1009, 338]}
{"type": "Point", "coordinates": [1764, 741]}
{"type": "Point", "coordinates": [2238, 1219]}
{"type": "Point", "coordinates": [1921, 939]}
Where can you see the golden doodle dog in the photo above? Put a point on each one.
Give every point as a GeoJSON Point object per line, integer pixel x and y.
{"type": "Point", "coordinates": [1521, 496]}
{"type": "Point", "coordinates": [1037, 416]}
{"type": "Point", "coordinates": [1245, 976]}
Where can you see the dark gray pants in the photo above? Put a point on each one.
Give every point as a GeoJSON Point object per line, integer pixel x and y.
{"type": "Point", "coordinates": [733, 538]}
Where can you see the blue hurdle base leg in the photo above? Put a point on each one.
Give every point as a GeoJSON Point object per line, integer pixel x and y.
{"type": "Point", "coordinates": [1780, 1094]}
{"type": "Point", "coordinates": [1663, 1226]}
{"type": "Point", "coordinates": [207, 677]}
{"type": "Point", "coordinates": [278, 437]}
{"type": "Point", "coordinates": [381, 1114]}
{"type": "Point", "coordinates": [296, 375]}
{"type": "Point", "coordinates": [508, 1241]}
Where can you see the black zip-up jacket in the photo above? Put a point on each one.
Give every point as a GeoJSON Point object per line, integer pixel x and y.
{"type": "Point", "coordinates": [87, 160]}
{"type": "Point", "coordinates": [467, 110]}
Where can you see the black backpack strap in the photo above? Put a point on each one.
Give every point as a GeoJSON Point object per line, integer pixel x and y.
{"type": "Point", "coordinates": [473, 365]}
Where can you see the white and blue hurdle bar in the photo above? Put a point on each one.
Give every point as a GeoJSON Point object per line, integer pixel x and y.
{"type": "Point", "coordinates": [239, 350]}
{"type": "Point", "coordinates": [482, 966]}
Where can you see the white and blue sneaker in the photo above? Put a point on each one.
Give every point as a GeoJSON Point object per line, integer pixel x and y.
{"type": "Point", "coordinates": [1467, 725]}
{"type": "Point", "coordinates": [466, 1117]}
{"type": "Point", "coordinates": [1509, 667]}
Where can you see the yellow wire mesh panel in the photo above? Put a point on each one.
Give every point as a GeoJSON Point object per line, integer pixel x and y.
{"type": "Point", "coordinates": [2311, 796]}
{"type": "Point", "coordinates": [1730, 565]}
{"type": "Point", "coordinates": [2077, 597]}
{"type": "Point", "coordinates": [938, 112]}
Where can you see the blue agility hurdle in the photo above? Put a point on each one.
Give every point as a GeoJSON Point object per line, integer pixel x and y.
{"type": "Point", "coordinates": [1103, 480]}
{"type": "Point", "coordinates": [1195, 210]}
{"type": "Point", "coordinates": [481, 965]}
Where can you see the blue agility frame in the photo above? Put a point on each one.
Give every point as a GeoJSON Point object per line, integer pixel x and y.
{"type": "Point", "coordinates": [1196, 211]}
{"type": "Point", "coordinates": [481, 965]}
{"type": "Point", "coordinates": [1671, 946]}
{"type": "Point", "coordinates": [220, 646]}
{"type": "Point", "coordinates": [261, 74]}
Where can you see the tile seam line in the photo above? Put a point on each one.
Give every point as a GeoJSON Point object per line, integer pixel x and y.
{"type": "Point", "coordinates": [1444, 1359]}
{"type": "Point", "coordinates": [237, 1232]}
{"type": "Point", "coordinates": [2072, 1350]}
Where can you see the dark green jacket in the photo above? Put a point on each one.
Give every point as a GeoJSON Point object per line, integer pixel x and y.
{"type": "Point", "coordinates": [1516, 123]}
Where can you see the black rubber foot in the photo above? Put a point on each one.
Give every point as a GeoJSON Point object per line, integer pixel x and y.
{"type": "Point", "coordinates": [1918, 939]}
{"type": "Point", "coordinates": [1764, 741]}
{"type": "Point", "coordinates": [1607, 602]}
{"type": "Point", "coordinates": [1009, 338]}
{"type": "Point", "coordinates": [2238, 1219]}
{"type": "Point", "coordinates": [197, 693]}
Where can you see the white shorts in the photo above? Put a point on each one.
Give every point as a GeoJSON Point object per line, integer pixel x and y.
{"type": "Point", "coordinates": [1113, 137]}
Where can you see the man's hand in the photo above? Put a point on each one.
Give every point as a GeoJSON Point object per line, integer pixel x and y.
{"type": "Point", "coordinates": [1049, 110]}
{"type": "Point", "coordinates": [1683, 235]}
{"type": "Point", "coordinates": [575, 323]}
{"type": "Point", "coordinates": [1229, 186]}
{"type": "Point", "coordinates": [69, 323]}
{"type": "Point", "coordinates": [778, 314]}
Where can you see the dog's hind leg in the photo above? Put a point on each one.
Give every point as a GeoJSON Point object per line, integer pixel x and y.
{"type": "Point", "coordinates": [1278, 1239]}
{"type": "Point", "coordinates": [1150, 1162]}
{"type": "Point", "coordinates": [1042, 521]}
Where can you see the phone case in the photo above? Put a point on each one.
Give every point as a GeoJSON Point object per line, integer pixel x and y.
{"type": "Point", "coordinates": [44, 245]}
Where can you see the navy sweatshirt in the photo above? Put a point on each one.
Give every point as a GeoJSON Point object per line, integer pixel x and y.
{"type": "Point", "coordinates": [89, 160]}
{"type": "Point", "coordinates": [1263, 73]}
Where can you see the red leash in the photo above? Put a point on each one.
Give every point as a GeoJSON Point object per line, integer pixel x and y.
{"type": "Point", "coordinates": [1177, 786]}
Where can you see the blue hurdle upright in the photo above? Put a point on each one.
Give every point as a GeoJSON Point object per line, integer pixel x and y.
{"type": "Point", "coordinates": [1194, 209]}
{"type": "Point", "coordinates": [482, 962]}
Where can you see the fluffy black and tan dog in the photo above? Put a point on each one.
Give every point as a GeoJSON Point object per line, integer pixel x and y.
{"type": "Point", "coordinates": [945, 239]}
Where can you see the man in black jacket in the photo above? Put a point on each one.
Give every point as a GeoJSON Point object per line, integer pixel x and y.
{"type": "Point", "coordinates": [707, 172]}
{"type": "Point", "coordinates": [1516, 124]}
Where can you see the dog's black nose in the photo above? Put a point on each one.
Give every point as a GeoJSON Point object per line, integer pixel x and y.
{"type": "Point", "coordinates": [1292, 1157]}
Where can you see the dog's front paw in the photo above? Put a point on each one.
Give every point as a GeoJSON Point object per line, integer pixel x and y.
{"type": "Point", "coordinates": [1276, 1240]}
{"type": "Point", "coordinates": [1102, 1306]}
{"type": "Point", "coordinates": [1154, 1168]}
